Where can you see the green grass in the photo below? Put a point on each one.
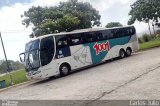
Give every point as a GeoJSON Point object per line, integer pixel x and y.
{"type": "Point", "coordinates": [18, 77]}
{"type": "Point", "coordinates": [150, 44]}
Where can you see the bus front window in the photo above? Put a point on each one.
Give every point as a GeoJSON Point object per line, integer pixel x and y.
{"type": "Point", "coordinates": [31, 56]}
{"type": "Point", "coordinates": [33, 59]}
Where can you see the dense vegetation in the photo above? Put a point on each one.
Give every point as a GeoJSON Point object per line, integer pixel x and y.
{"type": "Point", "coordinates": [14, 65]}
{"type": "Point", "coordinates": [113, 24]}
{"type": "Point", "coordinates": [145, 10]}
{"type": "Point", "coordinates": [147, 37]}
{"type": "Point", "coordinates": [67, 16]}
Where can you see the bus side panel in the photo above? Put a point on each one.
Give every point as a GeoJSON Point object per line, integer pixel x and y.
{"type": "Point", "coordinates": [98, 50]}
{"type": "Point", "coordinates": [63, 55]}
{"type": "Point", "coordinates": [107, 49]}
{"type": "Point", "coordinates": [120, 43]}
{"type": "Point", "coordinates": [80, 56]}
{"type": "Point", "coordinates": [63, 60]}
{"type": "Point", "coordinates": [49, 70]}
{"type": "Point", "coordinates": [134, 42]}
{"type": "Point", "coordinates": [117, 44]}
{"type": "Point", "coordinates": [123, 43]}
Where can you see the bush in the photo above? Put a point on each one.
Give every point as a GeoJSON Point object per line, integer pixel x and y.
{"type": "Point", "coordinates": [154, 36]}
{"type": "Point", "coordinates": [139, 40]}
{"type": "Point", "coordinates": [146, 38]}
{"type": "Point", "coordinates": [158, 36]}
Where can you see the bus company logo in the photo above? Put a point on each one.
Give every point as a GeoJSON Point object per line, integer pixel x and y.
{"type": "Point", "coordinates": [100, 47]}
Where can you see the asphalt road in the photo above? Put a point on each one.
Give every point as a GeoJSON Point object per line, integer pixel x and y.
{"type": "Point", "coordinates": [135, 77]}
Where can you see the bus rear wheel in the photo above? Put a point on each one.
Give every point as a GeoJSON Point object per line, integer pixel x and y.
{"type": "Point", "coordinates": [64, 70]}
{"type": "Point", "coordinates": [122, 53]}
{"type": "Point", "coordinates": [128, 51]}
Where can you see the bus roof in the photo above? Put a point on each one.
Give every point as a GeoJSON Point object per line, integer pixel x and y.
{"type": "Point", "coordinates": [79, 31]}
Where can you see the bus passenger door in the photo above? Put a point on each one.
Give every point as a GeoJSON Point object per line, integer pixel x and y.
{"type": "Point", "coordinates": [47, 52]}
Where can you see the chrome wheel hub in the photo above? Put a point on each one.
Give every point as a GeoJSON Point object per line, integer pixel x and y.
{"type": "Point", "coordinates": [64, 70]}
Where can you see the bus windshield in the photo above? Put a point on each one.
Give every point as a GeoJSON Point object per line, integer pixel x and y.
{"type": "Point", "coordinates": [31, 57]}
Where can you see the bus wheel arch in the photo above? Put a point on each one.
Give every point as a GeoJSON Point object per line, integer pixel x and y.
{"type": "Point", "coordinates": [128, 51]}
{"type": "Point", "coordinates": [64, 69]}
{"type": "Point", "coordinates": [122, 53]}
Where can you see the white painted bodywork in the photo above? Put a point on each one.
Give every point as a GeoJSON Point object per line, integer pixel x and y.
{"type": "Point", "coordinates": [81, 57]}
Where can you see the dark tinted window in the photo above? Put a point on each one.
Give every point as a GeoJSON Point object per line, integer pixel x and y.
{"type": "Point", "coordinates": [62, 41]}
{"type": "Point", "coordinates": [126, 31]}
{"type": "Point", "coordinates": [75, 39]}
{"type": "Point", "coordinates": [86, 37]}
{"type": "Point", "coordinates": [32, 45]}
{"type": "Point", "coordinates": [89, 37]}
{"type": "Point", "coordinates": [115, 33]}
{"type": "Point", "coordinates": [132, 30]}
{"type": "Point", "coordinates": [47, 43]}
{"type": "Point", "coordinates": [105, 34]}
{"type": "Point", "coordinates": [99, 36]}
{"type": "Point", "coordinates": [122, 32]}
{"type": "Point", "coordinates": [47, 50]}
{"type": "Point", "coordinates": [110, 34]}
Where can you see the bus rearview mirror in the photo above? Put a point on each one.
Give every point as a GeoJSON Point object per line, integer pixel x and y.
{"type": "Point", "coordinates": [22, 56]}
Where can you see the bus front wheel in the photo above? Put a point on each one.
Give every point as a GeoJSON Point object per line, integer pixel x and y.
{"type": "Point", "coordinates": [122, 53]}
{"type": "Point", "coordinates": [64, 69]}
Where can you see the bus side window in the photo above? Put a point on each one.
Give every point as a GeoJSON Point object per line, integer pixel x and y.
{"type": "Point", "coordinates": [76, 39]}
{"type": "Point", "coordinates": [88, 37]}
{"type": "Point", "coordinates": [105, 34]}
{"type": "Point", "coordinates": [119, 33]}
{"type": "Point", "coordinates": [62, 41]}
{"type": "Point", "coordinates": [110, 34]}
{"type": "Point", "coordinates": [123, 32]}
{"type": "Point", "coordinates": [115, 33]}
{"type": "Point", "coordinates": [132, 31]}
{"type": "Point", "coordinates": [127, 31]}
{"type": "Point", "coordinates": [99, 36]}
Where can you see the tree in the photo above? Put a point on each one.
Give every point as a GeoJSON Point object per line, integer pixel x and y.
{"type": "Point", "coordinates": [146, 11]}
{"type": "Point", "coordinates": [113, 24]}
{"type": "Point", "coordinates": [66, 17]}
{"type": "Point", "coordinates": [14, 65]}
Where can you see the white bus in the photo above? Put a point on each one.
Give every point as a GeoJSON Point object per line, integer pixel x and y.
{"type": "Point", "coordinates": [58, 54]}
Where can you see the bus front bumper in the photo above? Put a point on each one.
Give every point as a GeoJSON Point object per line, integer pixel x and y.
{"type": "Point", "coordinates": [34, 75]}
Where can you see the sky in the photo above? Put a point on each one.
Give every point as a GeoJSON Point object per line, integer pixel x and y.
{"type": "Point", "coordinates": [15, 35]}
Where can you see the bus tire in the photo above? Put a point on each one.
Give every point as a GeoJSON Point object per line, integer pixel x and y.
{"type": "Point", "coordinates": [128, 51]}
{"type": "Point", "coordinates": [64, 69]}
{"type": "Point", "coordinates": [122, 53]}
